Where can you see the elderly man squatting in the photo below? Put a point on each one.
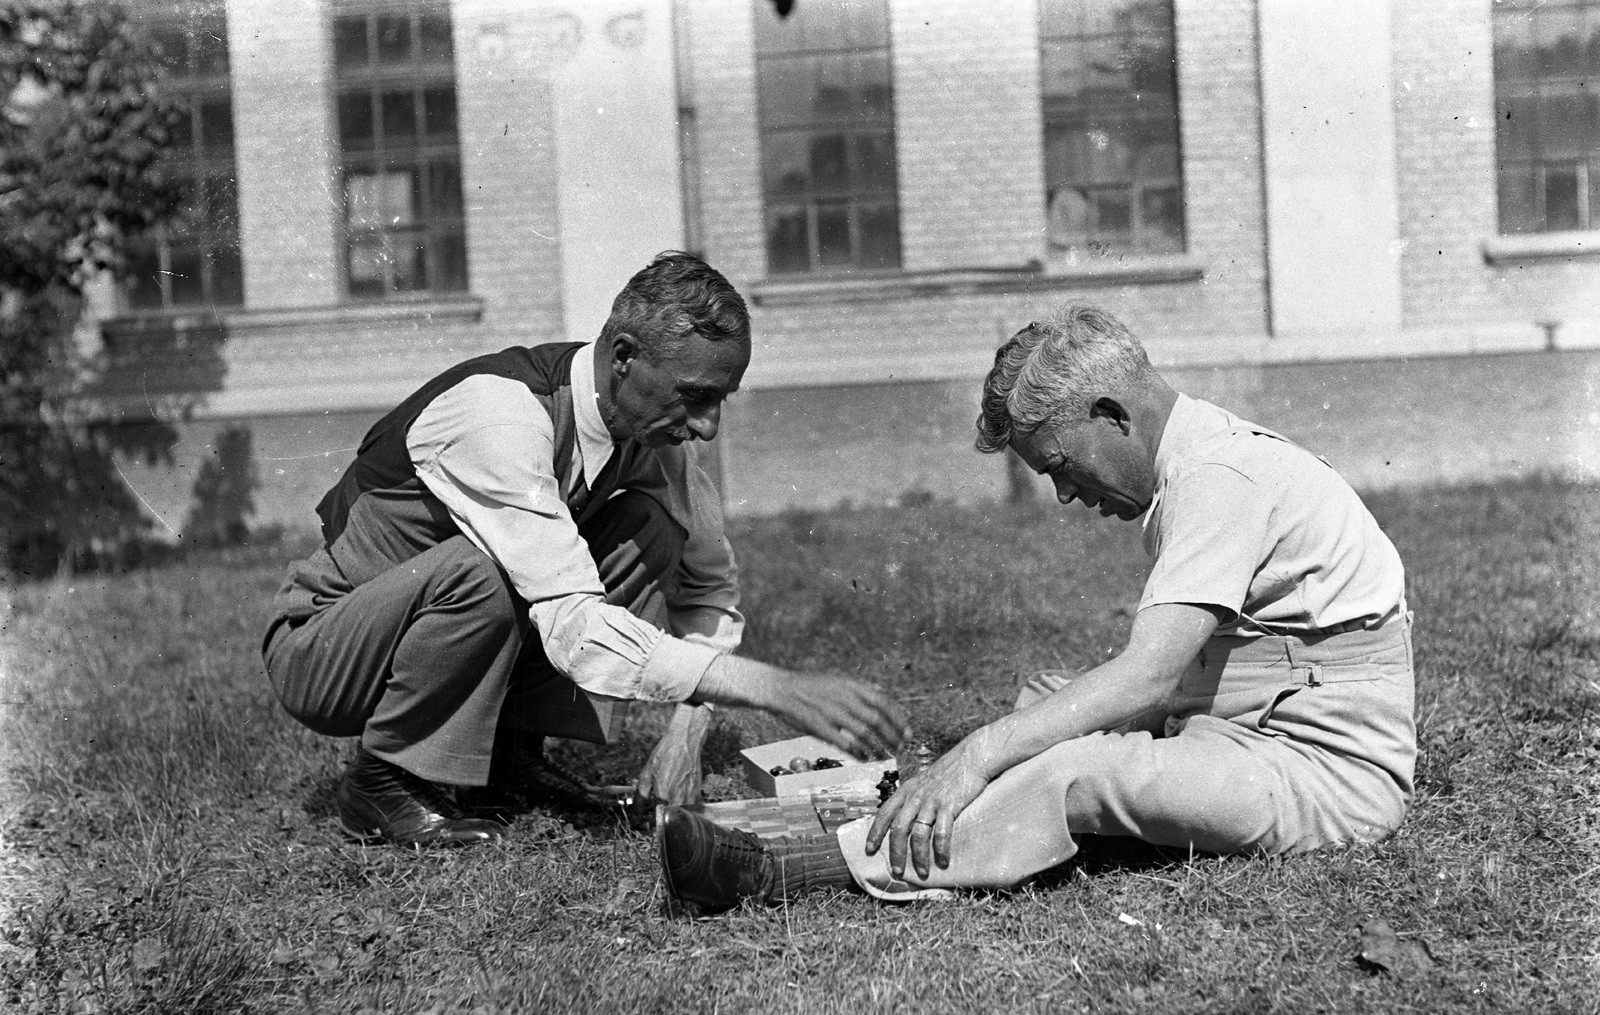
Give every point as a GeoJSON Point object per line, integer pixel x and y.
{"type": "Point", "coordinates": [529, 516]}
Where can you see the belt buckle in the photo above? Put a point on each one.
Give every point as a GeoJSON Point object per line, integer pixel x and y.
{"type": "Point", "coordinates": [1309, 674]}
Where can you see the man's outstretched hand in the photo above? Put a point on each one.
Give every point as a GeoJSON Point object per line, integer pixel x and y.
{"type": "Point", "coordinates": [850, 714]}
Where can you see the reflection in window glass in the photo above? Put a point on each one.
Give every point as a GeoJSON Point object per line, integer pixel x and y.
{"type": "Point", "coordinates": [404, 216]}
{"type": "Point", "coordinates": [1109, 78]}
{"type": "Point", "coordinates": [1547, 115]}
{"type": "Point", "coordinates": [192, 261]}
{"type": "Point", "coordinates": [827, 136]}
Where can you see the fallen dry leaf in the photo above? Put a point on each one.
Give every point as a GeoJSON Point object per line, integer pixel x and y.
{"type": "Point", "coordinates": [1382, 949]}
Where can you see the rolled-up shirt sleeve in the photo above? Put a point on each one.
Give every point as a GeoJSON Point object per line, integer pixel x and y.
{"type": "Point", "coordinates": [485, 449]}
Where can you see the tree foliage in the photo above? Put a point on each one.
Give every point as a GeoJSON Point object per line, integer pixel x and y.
{"type": "Point", "coordinates": [83, 125]}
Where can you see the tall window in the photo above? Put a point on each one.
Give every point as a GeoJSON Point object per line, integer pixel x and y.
{"type": "Point", "coordinates": [401, 166]}
{"type": "Point", "coordinates": [194, 260]}
{"type": "Point", "coordinates": [1111, 162]}
{"type": "Point", "coordinates": [1547, 111]}
{"type": "Point", "coordinates": [827, 136]}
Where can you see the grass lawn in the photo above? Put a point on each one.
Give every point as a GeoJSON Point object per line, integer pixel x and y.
{"type": "Point", "coordinates": [167, 841]}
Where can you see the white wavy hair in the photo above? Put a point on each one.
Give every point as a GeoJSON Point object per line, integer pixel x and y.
{"type": "Point", "coordinates": [1051, 371]}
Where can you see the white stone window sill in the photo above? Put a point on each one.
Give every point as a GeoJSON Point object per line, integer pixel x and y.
{"type": "Point", "coordinates": [1026, 278]}
{"type": "Point", "coordinates": [1563, 246]}
{"type": "Point", "coordinates": [235, 319]}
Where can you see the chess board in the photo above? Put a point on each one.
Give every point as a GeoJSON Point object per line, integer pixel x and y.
{"type": "Point", "coordinates": [770, 817]}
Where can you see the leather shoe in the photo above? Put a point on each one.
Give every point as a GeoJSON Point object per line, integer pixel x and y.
{"type": "Point", "coordinates": [521, 778]}
{"type": "Point", "coordinates": [708, 868]}
{"type": "Point", "coordinates": [380, 801]}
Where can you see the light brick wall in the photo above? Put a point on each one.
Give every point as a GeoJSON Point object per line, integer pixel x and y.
{"type": "Point", "coordinates": [289, 198]}
{"type": "Point", "coordinates": [969, 133]}
{"type": "Point", "coordinates": [722, 65]}
{"type": "Point", "coordinates": [508, 170]}
{"type": "Point", "coordinates": [1445, 142]}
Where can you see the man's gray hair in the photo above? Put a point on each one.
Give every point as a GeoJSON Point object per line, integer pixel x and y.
{"type": "Point", "coordinates": [1052, 370]}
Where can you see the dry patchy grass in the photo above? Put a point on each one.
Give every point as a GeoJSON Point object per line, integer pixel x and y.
{"type": "Point", "coordinates": [167, 843]}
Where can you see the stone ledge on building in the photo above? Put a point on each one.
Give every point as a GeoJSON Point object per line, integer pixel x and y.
{"type": "Point", "coordinates": [1035, 276]}
{"type": "Point", "coordinates": [1562, 246]}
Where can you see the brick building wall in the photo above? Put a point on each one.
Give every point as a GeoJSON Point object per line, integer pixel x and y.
{"type": "Point", "coordinates": [1445, 139]}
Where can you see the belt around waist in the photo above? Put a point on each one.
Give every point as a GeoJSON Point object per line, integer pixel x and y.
{"type": "Point", "coordinates": [1347, 648]}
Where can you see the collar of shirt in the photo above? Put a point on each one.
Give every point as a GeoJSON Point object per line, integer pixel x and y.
{"type": "Point", "coordinates": [1190, 420]}
{"type": "Point", "coordinates": [594, 440]}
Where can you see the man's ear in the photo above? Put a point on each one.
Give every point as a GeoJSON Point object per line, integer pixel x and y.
{"type": "Point", "coordinates": [1108, 408]}
{"type": "Point", "coordinates": [624, 350]}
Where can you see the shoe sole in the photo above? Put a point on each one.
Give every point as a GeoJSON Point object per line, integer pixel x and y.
{"type": "Point", "coordinates": [368, 837]}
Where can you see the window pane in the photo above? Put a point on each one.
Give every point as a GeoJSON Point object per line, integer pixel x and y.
{"type": "Point", "coordinates": [830, 169]}
{"type": "Point", "coordinates": [1061, 17]}
{"type": "Point", "coordinates": [210, 42]}
{"type": "Point", "coordinates": [1565, 127]}
{"type": "Point", "coordinates": [1560, 35]}
{"type": "Point", "coordinates": [833, 99]}
{"type": "Point", "coordinates": [350, 42]}
{"type": "Point", "coordinates": [216, 125]}
{"type": "Point", "coordinates": [450, 262]}
{"type": "Point", "coordinates": [874, 162]}
{"type": "Point", "coordinates": [880, 236]}
{"type": "Point", "coordinates": [1516, 127]}
{"type": "Point", "coordinates": [355, 120]}
{"type": "Point", "coordinates": [181, 132]}
{"type": "Point", "coordinates": [188, 282]}
{"type": "Point", "coordinates": [787, 87]}
{"type": "Point", "coordinates": [1161, 220]}
{"type": "Point", "coordinates": [1519, 204]}
{"type": "Point", "coordinates": [144, 276]}
{"type": "Point", "coordinates": [1063, 69]}
{"type": "Point", "coordinates": [222, 203]}
{"type": "Point", "coordinates": [874, 98]}
{"type": "Point", "coordinates": [1106, 66]}
{"type": "Point", "coordinates": [367, 267]}
{"type": "Point", "coordinates": [1067, 214]}
{"type": "Point", "coordinates": [399, 118]}
{"type": "Point", "coordinates": [1113, 212]}
{"type": "Point", "coordinates": [172, 42]}
{"type": "Point", "coordinates": [439, 110]}
{"type": "Point", "coordinates": [1515, 52]}
{"type": "Point", "coordinates": [785, 163]}
{"type": "Point", "coordinates": [1591, 44]}
{"type": "Point", "coordinates": [869, 24]}
{"type": "Point", "coordinates": [434, 33]}
{"type": "Point", "coordinates": [444, 190]}
{"type": "Point", "coordinates": [788, 244]}
{"type": "Point", "coordinates": [833, 234]}
{"type": "Point", "coordinates": [1561, 210]}
{"type": "Point", "coordinates": [394, 38]}
{"type": "Point", "coordinates": [227, 276]}
{"type": "Point", "coordinates": [411, 262]}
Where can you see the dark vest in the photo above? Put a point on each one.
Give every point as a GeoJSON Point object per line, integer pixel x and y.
{"type": "Point", "coordinates": [380, 514]}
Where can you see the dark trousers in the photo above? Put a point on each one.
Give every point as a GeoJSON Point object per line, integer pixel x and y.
{"type": "Point", "coordinates": [428, 660]}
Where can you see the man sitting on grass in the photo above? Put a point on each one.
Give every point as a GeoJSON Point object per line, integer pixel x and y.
{"type": "Point", "coordinates": [1262, 704]}
{"type": "Point", "coordinates": [530, 519]}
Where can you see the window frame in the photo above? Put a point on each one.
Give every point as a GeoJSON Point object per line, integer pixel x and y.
{"type": "Point", "coordinates": [1521, 81]}
{"type": "Point", "coordinates": [206, 233]}
{"type": "Point", "coordinates": [867, 182]}
{"type": "Point", "coordinates": [1064, 118]}
{"type": "Point", "coordinates": [424, 163]}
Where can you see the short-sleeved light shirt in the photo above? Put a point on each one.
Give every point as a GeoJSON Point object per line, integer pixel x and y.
{"type": "Point", "coordinates": [1263, 529]}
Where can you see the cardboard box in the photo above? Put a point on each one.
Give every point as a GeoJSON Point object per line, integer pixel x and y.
{"type": "Point", "coordinates": [855, 773]}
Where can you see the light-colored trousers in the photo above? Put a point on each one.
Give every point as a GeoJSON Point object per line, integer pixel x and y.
{"type": "Point", "coordinates": [1274, 745]}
